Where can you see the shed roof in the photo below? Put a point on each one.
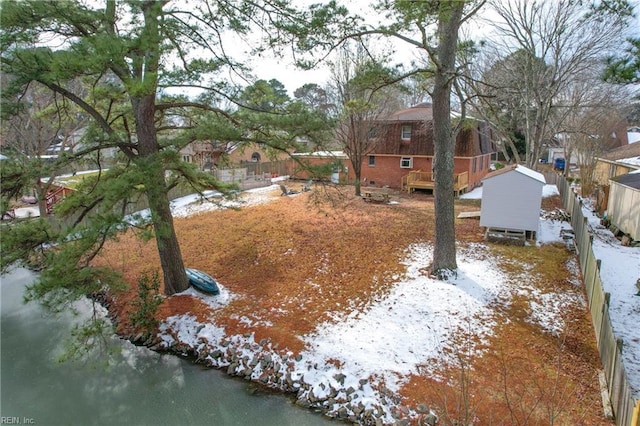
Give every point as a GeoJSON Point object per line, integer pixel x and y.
{"type": "Point", "coordinates": [630, 179]}
{"type": "Point", "coordinates": [518, 169]}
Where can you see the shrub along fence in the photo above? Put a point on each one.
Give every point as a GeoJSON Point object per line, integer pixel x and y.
{"type": "Point", "coordinates": [625, 408]}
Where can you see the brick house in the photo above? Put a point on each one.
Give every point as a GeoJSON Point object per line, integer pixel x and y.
{"type": "Point", "coordinates": [403, 153]}
{"type": "Point", "coordinates": [208, 155]}
{"type": "Point", "coordinates": [405, 144]}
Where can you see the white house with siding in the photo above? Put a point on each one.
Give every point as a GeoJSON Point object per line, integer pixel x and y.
{"type": "Point", "coordinates": [623, 207]}
{"type": "Point", "coordinates": [511, 200]}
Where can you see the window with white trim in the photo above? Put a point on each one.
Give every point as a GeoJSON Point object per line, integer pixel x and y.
{"type": "Point", "coordinates": [406, 162]}
{"type": "Point", "coordinates": [406, 132]}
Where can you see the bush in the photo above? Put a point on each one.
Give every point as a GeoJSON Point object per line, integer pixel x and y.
{"type": "Point", "coordinates": [147, 302]}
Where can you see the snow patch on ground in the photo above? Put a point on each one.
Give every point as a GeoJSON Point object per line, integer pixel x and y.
{"type": "Point", "coordinates": [619, 272]}
{"type": "Point", "coordinates": [214, 301]}
{"type": "Point", "coordinates": [213, 200]}
{"type": "Point", "coordinates": [414, 325]}
{"type": "Point", "coordinates": [418, 326]}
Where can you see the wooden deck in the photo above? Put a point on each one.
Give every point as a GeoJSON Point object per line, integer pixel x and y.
{"type": "Point", "coordinates": [424, 180]}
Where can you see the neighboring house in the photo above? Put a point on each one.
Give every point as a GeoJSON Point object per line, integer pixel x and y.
{"type": "Point", "coordinates": [511, 200]}
{"type": "Point", "coordinates": [404, 144]}
{"type": "Point", "coordinates": [616, 162]}
{"type": "Point", "coordinates": [556, 147]}
{"type": "Point", "coordinates": [209, 154]}
{"type": "Point", "coordinates": [558, 152]}
{"type": "Point", "coordinates": [252, 153]}
{"type": "Point", "coordinates": [74, 142]}
{"type": "Point", "coordinates": [304, 161]}
{"type": "Point", "coordinates": [204, 154]}
{"type": "Point", "coordinates": [623, 207]}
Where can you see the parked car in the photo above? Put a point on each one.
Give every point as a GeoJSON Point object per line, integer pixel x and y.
{"type": "Point", "coordinates": [559, 164]}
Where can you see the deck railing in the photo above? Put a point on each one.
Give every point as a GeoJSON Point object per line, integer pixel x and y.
{"type": "Point", "coordinates": [417, 179]}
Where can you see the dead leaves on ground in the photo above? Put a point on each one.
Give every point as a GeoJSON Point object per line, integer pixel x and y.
{"type": "Point", "coordinates": [296, 261]}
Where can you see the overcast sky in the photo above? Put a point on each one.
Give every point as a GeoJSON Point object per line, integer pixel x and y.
{"type": "Point", "coordinates": [292, 78]}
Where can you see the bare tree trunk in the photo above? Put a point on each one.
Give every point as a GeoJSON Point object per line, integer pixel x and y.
{"type": "Point", "coordinates": [444, 254]}
{"type": "Point", "coordinates": [175, 279]}
{"type": "Point", "coordinates": [358, 185]}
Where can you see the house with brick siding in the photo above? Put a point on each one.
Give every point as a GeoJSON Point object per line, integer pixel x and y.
{"type": "Point", "coordinates": [405, 145]}
{"type": "Point", "coordinates": [403, 151]}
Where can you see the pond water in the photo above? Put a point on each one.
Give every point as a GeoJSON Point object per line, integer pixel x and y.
{"type": "Point", "coordinates": [127, 386]}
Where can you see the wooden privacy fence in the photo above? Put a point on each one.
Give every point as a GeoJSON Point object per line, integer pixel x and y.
{"type": "Point", "coordinates": [625, 408]}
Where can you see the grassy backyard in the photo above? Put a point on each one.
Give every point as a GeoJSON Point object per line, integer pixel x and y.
{"type": "Point", "coordinates": [266, 255]}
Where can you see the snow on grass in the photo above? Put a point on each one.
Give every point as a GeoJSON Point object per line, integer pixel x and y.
{"type": "Point", "coordinates": [419, 327]}
{"type": "Point", "coordinates": [619, 272]}
{"type": "Point", "coordinates": [550, 231]}
{"type": "Point", "coordinates": [214, 301]}
{"type": "Point", "coordinates": [415, 328]}
{"type": "Point", "coordinates": [547, 309]}
{"type": "Point", "coordinates": [414, 324]}
{"type": "Point", "coordinates": [212, 200]}
{"type": "Point", "coordinates": [475, 194]}
{"type": "Point", "coordinates": [194, 204]}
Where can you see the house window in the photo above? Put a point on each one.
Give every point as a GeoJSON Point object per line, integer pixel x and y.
{"type": "Point", "coordinates": [373, 132]}
{"type": "Point", "coordinates": [406, 132]}
{"type": "Point", "coordinates": [372, 160]}
{"type": "Point", "coordinates": [475, 162]}
{"type": "Point", "coordinates": [255, 157]}
{"type": "Point", "coordinates": [186, 158]}
{"type": "Point", "coordinates": [406, 162]}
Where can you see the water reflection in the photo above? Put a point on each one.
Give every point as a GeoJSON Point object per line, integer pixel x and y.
{"type": "Point", "coordinates": [132, 386]}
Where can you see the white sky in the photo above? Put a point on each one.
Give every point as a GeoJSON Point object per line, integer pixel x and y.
{"type": "Point", "coordinates": [293, 78]}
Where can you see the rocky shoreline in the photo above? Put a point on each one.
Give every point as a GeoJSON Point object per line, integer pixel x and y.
{"type": "Point", "coordinates": [348, 399]}
{"type": "Point", "coordinates": [363, 401]}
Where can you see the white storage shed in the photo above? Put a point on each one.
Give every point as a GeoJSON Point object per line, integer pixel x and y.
{"type": "Point", "coordinates": [511, 200]}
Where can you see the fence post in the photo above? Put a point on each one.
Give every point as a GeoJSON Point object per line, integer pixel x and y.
{"type": "Point", "coordinates": [589, 276]}
{"type": "Point", "coordinates": [596, 274]}
{"type": "Point", "coordinates": [635, 419]}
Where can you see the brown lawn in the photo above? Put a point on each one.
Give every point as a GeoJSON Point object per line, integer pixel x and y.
{"type": "Point", "coordinates": [297, 259]}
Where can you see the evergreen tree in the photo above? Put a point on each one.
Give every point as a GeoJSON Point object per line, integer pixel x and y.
{"type": "Point", "coordinates": [432, 28]}
{"type": "Point", "coordinates": [138, 59]}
